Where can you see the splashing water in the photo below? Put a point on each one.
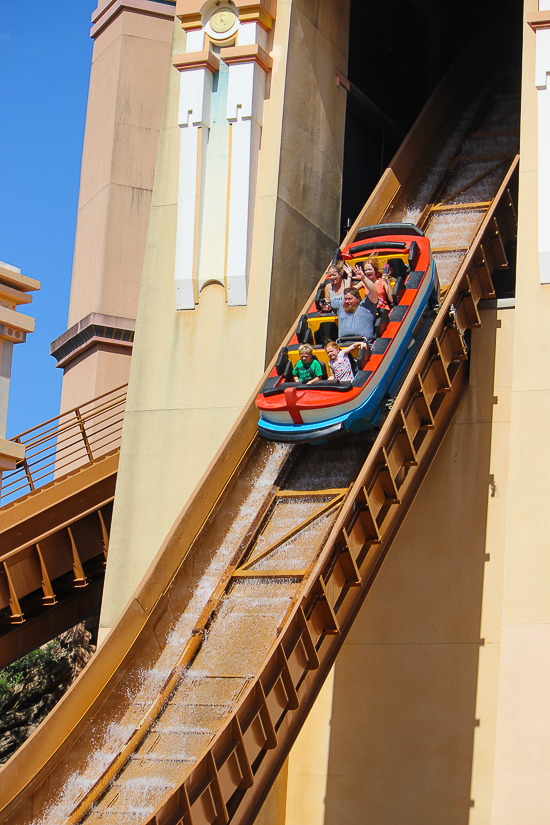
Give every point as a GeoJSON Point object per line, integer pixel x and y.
{"type": "Point", "coordinates": [115, 735]}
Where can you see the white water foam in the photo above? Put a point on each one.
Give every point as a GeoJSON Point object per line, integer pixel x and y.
{"type": "Point", "coordinates": [113, 738]}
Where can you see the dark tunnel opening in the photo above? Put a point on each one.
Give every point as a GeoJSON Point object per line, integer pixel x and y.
{"type": "Point", "coordinates": [398, 53]}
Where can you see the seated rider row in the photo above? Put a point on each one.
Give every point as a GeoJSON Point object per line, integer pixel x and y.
{"type": "Point", "coordinates": [357, 317]}
{"type": "Point", "coordinates": [308, 370]}
{"type": "Point", "coordinates": [342, 275]}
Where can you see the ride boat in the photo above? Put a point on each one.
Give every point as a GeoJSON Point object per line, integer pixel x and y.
{"type": "Point", "coordinates": [292, 412]}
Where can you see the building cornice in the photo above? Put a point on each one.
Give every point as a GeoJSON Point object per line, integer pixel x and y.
{"type": "Point", "coordinates": [247, 54]}
{"type": "Point", "coordinates": [262, 13]}
{"type": "Point", "coordinates": [196, 60]}
{"type": "Point", "coordinates": [14, 326]}
{"type": "Point", "coordinates": [109, 9]}
{"type": "Point", "coordinates": [11, 276]}
{"type": "Point", "coordinates": [95, 328]}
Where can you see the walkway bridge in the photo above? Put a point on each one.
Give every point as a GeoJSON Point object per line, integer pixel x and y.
{"type": "Point", "coordinates": [54, 523]}
{"type": "Point", "coordinates": [191, 705]}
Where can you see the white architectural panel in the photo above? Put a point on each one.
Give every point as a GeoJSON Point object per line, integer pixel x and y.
{"type": "Point", "coordinates": [194, 121]}
{"type": "Point", "coordinates": [244, 112]}
{"type": "Point", "coordinates": [219, 162]}
{"type": "Point", "coordinates": [541, 79]}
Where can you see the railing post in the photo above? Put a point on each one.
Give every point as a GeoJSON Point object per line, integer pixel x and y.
{"type": "Point", "coordinates": [83, 432]}
{"type": "Point", "coordinates": [26, 466]}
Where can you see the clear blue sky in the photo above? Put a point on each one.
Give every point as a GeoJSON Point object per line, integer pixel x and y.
{"type": "Point", "coordinates": [45, 58]}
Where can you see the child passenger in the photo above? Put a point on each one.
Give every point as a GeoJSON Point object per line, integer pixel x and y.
{"type": "Point", "coordinates": [307, 370]}
{"type": "Point", "coordinates": [338, 361]}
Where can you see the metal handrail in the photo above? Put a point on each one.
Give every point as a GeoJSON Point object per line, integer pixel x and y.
{"type": "Point", "coordinates": [61, 444]}
{"type": "Point", "coordinates": [19, 436]}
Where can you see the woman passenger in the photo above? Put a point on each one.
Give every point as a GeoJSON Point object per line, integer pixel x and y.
{"type": "Point", "coordinates": [334, 291]}
{"type": "Point", "coordinates": [373, 271]}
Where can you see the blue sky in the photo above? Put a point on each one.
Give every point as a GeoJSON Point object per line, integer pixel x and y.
{"type": "Point", "coordinates": [45, 58]}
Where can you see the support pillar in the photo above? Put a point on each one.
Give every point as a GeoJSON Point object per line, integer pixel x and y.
{"type": "Point", "coordinates": [14, 327]}
{"type": "Point", "coordinates": [123, 120]}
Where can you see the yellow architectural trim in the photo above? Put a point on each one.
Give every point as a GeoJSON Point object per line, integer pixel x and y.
{"type": "Point", "coordinates": [188, 13]}
{"type": "Point", "coordinates": [257, 13]}
{"type": "Point", "coordinates": [191, 22]}
{"type": "Point", "coordinates": [267, 6]}
{"type": "Point", "coordinates": [247, 54]}
{"type": "Point", "coordinates": [211, 41]}
{"type": "Point", "coordinates": [196, 60]}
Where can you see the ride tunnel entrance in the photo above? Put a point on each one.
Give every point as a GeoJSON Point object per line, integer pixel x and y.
{"type": "Point", "coordinates": [398, 53]}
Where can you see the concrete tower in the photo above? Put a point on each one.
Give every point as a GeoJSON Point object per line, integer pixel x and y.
{"type": "Point", "coordinates": [127, 82]}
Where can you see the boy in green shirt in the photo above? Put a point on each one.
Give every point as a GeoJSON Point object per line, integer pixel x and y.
{"type": "Point", "coordinates": [307, 370]}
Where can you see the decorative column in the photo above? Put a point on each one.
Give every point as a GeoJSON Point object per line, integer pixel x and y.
{"type": "Point", "coordinates": [219, 161]}
{"type": "Point", "coordinates": [248, 66]}
{"type": "Point", "coordinates": [540, 23]}
{"type": "Point", "coordinates": [197, 69]}
{"type": "Point", "coordinates": [14, 326]}
{"type": "Point", "coordinates": [131, 55]}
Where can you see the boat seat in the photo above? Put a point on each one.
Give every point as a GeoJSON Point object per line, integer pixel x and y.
{"type": "Point", "coordinates": [414, 255]}
{"type": "Point", "coordinates": [287, 374]}
{"type": "Point", "coordinates": [382, 321]}
{"type": "Point", "coordinates": [398, 291]}
{"type": "Point", "coordinates": [358, 363]}
{"type": "Point", "coordinates": [323, 367]}
{"type": "Point", "coordinates": [323, 370]}
{"type": "Point", "coordinates": [326, 331]}
{"type": "Point", "coordinates": [293, 357]}
{"type": "Point", "coordinates": [398, 268]}
{"type": "Point", "coordinates": [282, 361]}
{"type": "Point", "coordinates": [303, 332]}
{"type": "Point", "coordinates": [320, 294]}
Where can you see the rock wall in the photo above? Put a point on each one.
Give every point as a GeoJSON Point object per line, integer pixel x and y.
{"type": "Point", "coordinates": [35, 684]}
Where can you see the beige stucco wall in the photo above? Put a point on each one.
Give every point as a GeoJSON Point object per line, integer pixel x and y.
{"type": "Point", "coordinates": [193, 371]}
{"type": "Point", "coordinates": [411, 703]}
{"type": "Point", "coordinates": [123, 118]}
{"type": "Point", "coordinates": [522, 766]}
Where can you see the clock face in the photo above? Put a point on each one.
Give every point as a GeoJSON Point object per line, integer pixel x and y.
{"type": "Point", "coordinates": [222, 21]}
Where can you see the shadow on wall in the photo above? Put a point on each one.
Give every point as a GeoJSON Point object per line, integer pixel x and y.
{"type": "Point", "coordinates": [405, 687]}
